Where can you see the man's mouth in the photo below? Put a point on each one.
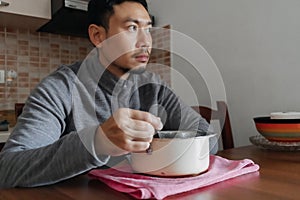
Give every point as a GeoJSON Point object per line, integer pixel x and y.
{"type": "Point", "coordinates": [142, 58]}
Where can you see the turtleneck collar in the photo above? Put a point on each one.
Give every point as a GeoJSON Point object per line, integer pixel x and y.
{"type": "Point", "coordinates": [102, 75]}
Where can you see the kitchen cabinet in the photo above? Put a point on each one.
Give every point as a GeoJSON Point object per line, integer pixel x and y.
{"type": "Point", "coordinates": [33, 8]}
{"type": "Point", "coordinates": [25, 14]}
{"type": "Point", "coordinates": [4, 135]}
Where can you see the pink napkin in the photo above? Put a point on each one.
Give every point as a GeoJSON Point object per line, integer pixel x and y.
{"type": "Point", "coordinates": [146, 187]}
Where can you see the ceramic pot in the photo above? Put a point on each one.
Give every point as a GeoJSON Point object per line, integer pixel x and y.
{"type": "Point", "coordinates": [174, 157]}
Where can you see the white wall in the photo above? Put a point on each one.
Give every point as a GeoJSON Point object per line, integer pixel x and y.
{"type": "Point", "coordinates": [254, 43]}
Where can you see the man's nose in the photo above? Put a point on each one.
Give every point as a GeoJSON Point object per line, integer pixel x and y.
{"type": "Point", "coordinates": [144, 38]}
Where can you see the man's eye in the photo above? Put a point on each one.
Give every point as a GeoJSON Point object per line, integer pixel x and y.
{"type": "Point", "coordinates": [132, 28]}
{"type": "Point", "coordinates": [148, 30]}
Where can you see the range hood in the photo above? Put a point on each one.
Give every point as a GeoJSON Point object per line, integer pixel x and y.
{"type": "Point", "coordinates": [69, 17]}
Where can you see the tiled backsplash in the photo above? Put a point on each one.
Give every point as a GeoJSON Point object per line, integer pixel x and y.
{"type": "Point", "coordinates": [34, 55]}
{"type": "Point", "coordinates": [160, 60]}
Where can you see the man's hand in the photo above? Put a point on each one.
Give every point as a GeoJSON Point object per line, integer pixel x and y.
{"type": "Point", "coordinates": [126, 131]}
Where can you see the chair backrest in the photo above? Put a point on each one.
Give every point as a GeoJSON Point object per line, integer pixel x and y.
{"type": "Point", "coordinates": [222, 115]}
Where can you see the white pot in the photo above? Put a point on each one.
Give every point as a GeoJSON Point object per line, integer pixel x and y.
{"type": "Point", "coordinates": [174, 157]}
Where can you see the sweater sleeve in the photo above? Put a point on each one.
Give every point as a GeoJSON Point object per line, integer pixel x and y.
{"type": "Point", "coordinates": [39, 150]}
{"type": "Point", "coordinates": [186, 118]}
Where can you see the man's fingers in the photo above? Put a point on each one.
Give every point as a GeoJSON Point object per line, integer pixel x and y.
{"type": "Point", "coordinates": [139, 130]}
{"type": "Point", "coordinates": [129, 130]}
{"type": "Point", "coordinates": [137, 146]}
{"type": "Point", "coordinates": [148, 117]}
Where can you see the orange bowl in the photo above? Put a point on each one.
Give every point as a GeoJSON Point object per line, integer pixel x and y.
{"type": "Point", "coordinates": [278, 130]}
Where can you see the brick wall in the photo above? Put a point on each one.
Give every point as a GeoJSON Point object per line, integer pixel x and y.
{"type": "Point", "coordinates": [160, 60]}
{"type": "Point", "coordinates": [34, 55]}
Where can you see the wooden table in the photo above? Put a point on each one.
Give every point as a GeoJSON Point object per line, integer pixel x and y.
{"type": "Point", "coordinates": [278, 178]}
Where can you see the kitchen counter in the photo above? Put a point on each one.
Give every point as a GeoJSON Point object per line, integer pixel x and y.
{"type": "Point", "coordinates": [4, 135]}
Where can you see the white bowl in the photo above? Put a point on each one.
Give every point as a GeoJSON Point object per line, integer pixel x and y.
{"type": "Point", "coordinates": [174, 157]}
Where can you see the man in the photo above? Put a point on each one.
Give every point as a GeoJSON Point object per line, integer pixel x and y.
{"type": "Point", "coordinates": [82, 116]}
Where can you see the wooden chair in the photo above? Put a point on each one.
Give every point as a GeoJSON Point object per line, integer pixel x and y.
{"type": "Point", "coordinates": [222, 115]}
{"type": "Point", "coordinates": [18, 109]}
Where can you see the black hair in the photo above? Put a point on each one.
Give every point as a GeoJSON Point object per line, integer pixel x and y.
{"type": "Point", "coordinates": [99, 11]}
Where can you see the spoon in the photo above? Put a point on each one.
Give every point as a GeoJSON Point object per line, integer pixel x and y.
{"type": "Point", "coordinates": [157, 134]}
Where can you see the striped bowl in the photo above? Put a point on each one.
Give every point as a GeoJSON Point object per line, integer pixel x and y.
{"type": "Point", "coordinates": [278, 130]}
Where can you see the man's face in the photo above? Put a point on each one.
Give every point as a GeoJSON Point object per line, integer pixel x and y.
{"type": "Point", "coordinates": [128, 40]}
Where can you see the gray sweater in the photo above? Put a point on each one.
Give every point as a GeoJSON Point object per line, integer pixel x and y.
{"type": "Point", "coordinates": [53, 139]}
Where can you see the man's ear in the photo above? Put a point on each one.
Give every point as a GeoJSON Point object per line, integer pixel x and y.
{"type": "Point", "coordinates": [97, 34]}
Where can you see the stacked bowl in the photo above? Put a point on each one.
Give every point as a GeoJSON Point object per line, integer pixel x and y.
{"type": "Point", "coordinates": [279, 127]}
